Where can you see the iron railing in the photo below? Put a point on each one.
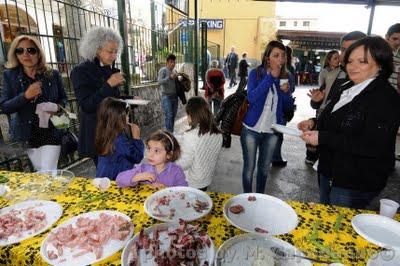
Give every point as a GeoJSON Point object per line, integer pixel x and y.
{"type": "Point", "coordinates": [60, 24]}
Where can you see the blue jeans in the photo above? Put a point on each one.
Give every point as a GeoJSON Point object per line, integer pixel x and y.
{"type": "Point", "coordinates": [265, 143]}
{"type": "Point", "coordinates": [170, 108]}
{"type": "Point", "coordinates": [345, 197]}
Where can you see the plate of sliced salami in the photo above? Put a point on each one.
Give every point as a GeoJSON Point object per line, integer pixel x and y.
{"type": "Point", "coordinates": [27, 219]}
{"type": "Point", "coordinates": [87, 238]}
{"type": "Point", "coordinates": [175, 203]}
{"type": "Point", "coordinates": [169, 244]}
{"type": "Point", "coordinates": [260, 213]}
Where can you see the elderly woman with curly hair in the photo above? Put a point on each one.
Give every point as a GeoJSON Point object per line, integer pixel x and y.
{"type": "Point", "coordinates": [31, 94]}
{"type": "Point", "coordinates": [95, 79]}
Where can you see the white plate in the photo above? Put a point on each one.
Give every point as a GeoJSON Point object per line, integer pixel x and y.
{"type": "Point", "coordinates": [147, 259]}
{"type": "Point", "coordinates": [378, 229]}
{"type": "Point", "coordinates": [287, 130]}
{"type": "Point", "coordinates": [266, 212]}
{"type": "Point", "coordinates": [252, 249]}
{"type": "Point", "coordinates": [67, 258]}
{"type": "Point", "coordinates": [52, 210]}
{"type": "Point", "coordinates": [385, 258]}
{"type": "Point", "coordinates": [180, 205]}
{"type": "Point", "coordinates": [136, 101]}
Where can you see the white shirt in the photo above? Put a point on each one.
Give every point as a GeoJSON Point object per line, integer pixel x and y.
{"type": "Point", "coordinates": [268, 115]}
{"type": "Point", "coordinates": [199, 157]}
{"type": "Point", "coordinates": [349, 94]}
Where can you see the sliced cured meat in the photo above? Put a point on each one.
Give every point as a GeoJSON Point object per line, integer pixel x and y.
{"type": "Point", "coordinates": [236, 209]}
{"type": "Point", "coordinates": [260, 230]}
{"type": "Point", "coordinates": [252, 198]}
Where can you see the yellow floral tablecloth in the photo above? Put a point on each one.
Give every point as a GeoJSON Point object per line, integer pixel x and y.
{"type": "Point", "coordinates": [323, 232]}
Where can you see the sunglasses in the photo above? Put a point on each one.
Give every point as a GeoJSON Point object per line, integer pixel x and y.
{"type": "Point", "coordinates": [29, 50]}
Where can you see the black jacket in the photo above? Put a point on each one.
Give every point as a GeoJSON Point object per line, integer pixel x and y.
{"type": "Point", "coordinates": [182, 86]}
{"type": "Point", "coordinates": [231, 61]}
{"type": "Point", "coordinates": [13, 100]}
{"type": "Point", "coordinates": [89, 80]}
{"type": "Point", "coordinates": [243, 68]}
{"type": "Point", "coordinates": [357, 141]}
{"type": "Point", "coordinates": [227, 114]}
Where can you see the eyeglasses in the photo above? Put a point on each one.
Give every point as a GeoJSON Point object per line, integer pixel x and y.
{"type": "Point", "coordinates": [29, 50]}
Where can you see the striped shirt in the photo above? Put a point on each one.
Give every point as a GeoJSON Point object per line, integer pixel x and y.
{"type": "Point", "coordinates": [396, 70]}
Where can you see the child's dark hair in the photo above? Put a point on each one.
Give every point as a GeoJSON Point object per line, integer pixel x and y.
{"type": "Point", "coordinates": [169, 142]}
{"type": "Point", "coordinates": [200, 114]}
{"type": "Point", "coordinates": [111, 121]}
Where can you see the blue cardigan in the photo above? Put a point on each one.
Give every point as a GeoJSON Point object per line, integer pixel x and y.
{"type": "Point", "coordinates": [257, 91]}
{"type": "Point", "coordinates": [126, 153]}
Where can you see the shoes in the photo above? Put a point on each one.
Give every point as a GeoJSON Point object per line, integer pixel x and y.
{"type": "Point", "coordinates": [279, 163]}
{"type": "Point", "coordinates": [309, 161]}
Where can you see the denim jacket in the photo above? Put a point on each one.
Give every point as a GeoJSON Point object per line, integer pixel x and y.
{"type": "Point", "coordinates": [13, 101]}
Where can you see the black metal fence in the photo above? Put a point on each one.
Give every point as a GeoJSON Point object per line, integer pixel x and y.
{"type": "Point", "coordinates": [60, 24]}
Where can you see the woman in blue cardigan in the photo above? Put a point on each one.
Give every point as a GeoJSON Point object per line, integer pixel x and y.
{"type": "Point", "coordinates": [268, 101]}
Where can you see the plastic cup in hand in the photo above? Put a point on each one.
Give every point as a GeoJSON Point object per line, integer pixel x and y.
{"type": "Point", "coordinates": [180, 78]}
{"type": "Point", "coordinates": [283, 81]}
{"type": "Point", "coordinates": [388, 208]}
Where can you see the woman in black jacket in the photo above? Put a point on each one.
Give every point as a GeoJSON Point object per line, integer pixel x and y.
{"type": "Point", "coordinates": [31, 93]}
{"type": "Point", "coordinates": [357, 130]}
{"type": "Point", "coordinates": [95, 79]}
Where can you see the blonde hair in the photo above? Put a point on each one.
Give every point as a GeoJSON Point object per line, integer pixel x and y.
{"type": "Point", "coordinates": [13, 61]}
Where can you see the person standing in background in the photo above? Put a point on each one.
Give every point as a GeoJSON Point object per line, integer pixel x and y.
{"type": "Point", "coordinates": [93, 80]}
{"type": "Point", "coordinates": [393, 39]}
{"type": "Point", "coordinates": [214, 87]}
{"type": "Point", "coordinates": [169, 99]}
{"type": "Point", "coordinates": [277, 159]}
{"type": "Point", "coordinates": [243, 70]}
{"type": "Point", "coordinates": [231, 62]}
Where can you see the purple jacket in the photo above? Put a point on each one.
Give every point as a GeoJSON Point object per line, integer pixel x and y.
{"type": "Point", "coordinates": [171, 176]}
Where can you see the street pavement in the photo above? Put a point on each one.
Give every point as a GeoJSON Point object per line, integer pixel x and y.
{"type": "Point", "coordinates": [297, 181]}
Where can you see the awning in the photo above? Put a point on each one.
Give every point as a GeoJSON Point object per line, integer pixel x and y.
{"type": "Point", "coordinates": [311, 39]}
{"type": "Point", "coordinates": [352, 2]}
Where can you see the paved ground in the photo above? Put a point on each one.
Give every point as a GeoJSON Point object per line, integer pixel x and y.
{"type": "Point", "coordinates": [297, 181]}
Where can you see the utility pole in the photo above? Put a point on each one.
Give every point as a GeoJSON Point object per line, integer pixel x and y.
{"type": "Point", "coordinates": [124, 54]}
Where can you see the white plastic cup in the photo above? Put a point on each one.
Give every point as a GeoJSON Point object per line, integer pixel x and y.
{"type": "Point", "coordinates": [283, 81]}
{"type": "Point", "coordinates": [388, 208]}
{"type": "Point", "coordinates": [180, 78]}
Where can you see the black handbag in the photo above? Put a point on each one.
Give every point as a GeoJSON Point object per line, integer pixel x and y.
{"type": "Point", "coordinates": [69, 142]}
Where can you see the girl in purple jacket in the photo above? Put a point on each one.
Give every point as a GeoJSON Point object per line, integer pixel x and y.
{"type": "Point", "coordinates": [162, 150]}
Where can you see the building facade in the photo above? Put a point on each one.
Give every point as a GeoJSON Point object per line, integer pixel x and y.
{"type": "Point", "coordinates": [247, 25]}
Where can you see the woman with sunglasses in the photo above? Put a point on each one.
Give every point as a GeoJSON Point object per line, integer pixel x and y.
{"type": "Point", "coordinates": [94, 80]}
{"type": "Point", "coordinates": [32, 92]}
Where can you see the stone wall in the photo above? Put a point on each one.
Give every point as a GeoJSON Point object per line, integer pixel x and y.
{"type": "Point", "coordinates": [150, 117]}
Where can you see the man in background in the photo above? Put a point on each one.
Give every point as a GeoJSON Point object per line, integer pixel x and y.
{"type": "Point", "coordinates": [169, 99]}
{"type": "Point", "coordinates": [243, 70]}
{"type": "Point", "coordinates": [393, 39]}
{"type": "Point", "coordinates": [231, 63]}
